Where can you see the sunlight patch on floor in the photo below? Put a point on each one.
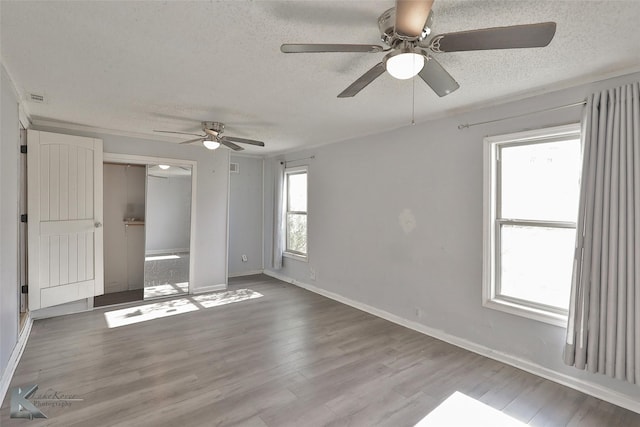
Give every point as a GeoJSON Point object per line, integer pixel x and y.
{"type": "Point", "coordinates": [222, 298]}
{"type": "Point", "coordinates": [462, 410]}
{"type": "Point", "coordinates": [158, 310]}
{"type": "Point", "coordinates": [166, 289]}
{"type": "Point", "coordinates": [161, 257]}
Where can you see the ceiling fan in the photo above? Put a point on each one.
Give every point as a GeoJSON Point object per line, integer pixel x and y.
{"type": "Point", "coordinates": [213, 137]}
{"type": "Point", "coordinates": [406, 30]}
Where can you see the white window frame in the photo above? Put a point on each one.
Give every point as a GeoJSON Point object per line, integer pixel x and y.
{"type": "Point", "coordinates": [491, 228]}
{"type": "Point", "coordinates": [294, 171]}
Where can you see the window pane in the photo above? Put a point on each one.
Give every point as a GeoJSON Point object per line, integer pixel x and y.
{"type": "Point", "coordinates": [297, 194]}
{"type": "Point", "coordinates": [536, 264]}
{"type": "Point", "coordinates": [541, 181]}
{"type": "Point", "coordinates": [297, 233]}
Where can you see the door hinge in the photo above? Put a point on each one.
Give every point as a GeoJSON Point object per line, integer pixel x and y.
{"type": "Point", "coordinates": [23, 149]}
{"type": "Point", "coordinates": [23, 218]}
{"type": "Point", "coordinates": [24, 289]}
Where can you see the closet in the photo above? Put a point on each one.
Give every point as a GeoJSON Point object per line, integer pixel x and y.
{"type": "Point", "coordinates": [147, 231]}
{"type": "Point", "coordinates": [124, 233]}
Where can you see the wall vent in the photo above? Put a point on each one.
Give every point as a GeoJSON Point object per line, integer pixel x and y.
{"type": "Point", "coordinates": [36, 97]}
{"type": "Point", "coordinates": [234, 167]}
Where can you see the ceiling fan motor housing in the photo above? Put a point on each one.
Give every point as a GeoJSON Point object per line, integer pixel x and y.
{"type": "Point", "coordinates": [213, 126]}
{"type": "Point", "coordinates": [386, 24]}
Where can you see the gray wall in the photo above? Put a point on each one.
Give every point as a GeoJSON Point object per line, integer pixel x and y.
{"type": "Point", "coordinates": [245, 216]}
{"type": "Point", "coordinates": [358, 189]}
{"type": "Point", "coordinates": [9, 179]}
{"type": "Point", "coordinates": [124, 197]}
{"type": "Point", "coordinates": [212, 180]}
{"type": "Point", "coordinates": [168, 214]}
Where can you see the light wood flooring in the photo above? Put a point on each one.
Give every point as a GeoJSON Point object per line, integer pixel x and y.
{"type": "Point", "coordinates": [288, 358]}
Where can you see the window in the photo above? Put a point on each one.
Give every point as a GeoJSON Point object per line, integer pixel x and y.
{"type": "Point", "coordinates": [531, 205]}
{"type": "Point", "coordinates": [296, 211]}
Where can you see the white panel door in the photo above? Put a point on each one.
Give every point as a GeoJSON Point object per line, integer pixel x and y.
{"type": "Point", "coordinates": [65, 234]}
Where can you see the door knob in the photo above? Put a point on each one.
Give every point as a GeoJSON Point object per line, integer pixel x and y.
{"type": "Point", "coordinates": [98, 224]}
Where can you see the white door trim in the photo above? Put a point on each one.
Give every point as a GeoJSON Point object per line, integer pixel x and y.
{"type": "Point", "coordinates": [133, 159]}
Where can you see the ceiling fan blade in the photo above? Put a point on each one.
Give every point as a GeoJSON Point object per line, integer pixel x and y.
{"type": "Point", "coordinates": [513, 37]}
{"type": "Point", "coordinates": [211, 132]}
{"type": "Point", "coordinates": [193, 140]}
{"type": "Point", "coordinates": [438, 78]}
{"type": "Point", "coordinates": [243, 140]}
{"type": "Point", "coordinates": [179, 133]}
{"type": "Point", "coordinates": [320, 48]}
{"type": "Point", "coordinates": [363, 81]}
{"type": "Point", "coordinates": [411, 17]}
{"type": "Point", "coordinates": [224, 141]}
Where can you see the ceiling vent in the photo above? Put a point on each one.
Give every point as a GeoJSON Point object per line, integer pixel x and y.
{"type": "Point", "coordinates": [36, 97]}
{"type": "Point", "coordinates": [234, 167]}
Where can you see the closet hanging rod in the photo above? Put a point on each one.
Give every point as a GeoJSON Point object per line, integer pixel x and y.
{"type": "Point", "coordinates": [468, 125]}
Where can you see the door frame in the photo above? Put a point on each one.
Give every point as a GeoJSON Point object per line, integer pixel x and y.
{"type": "Point", "coordinates": [23, 232]}
{"type": "Point", "coordinates": [133, 159]}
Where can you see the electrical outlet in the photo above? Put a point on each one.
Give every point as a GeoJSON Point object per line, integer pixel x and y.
{"type": "Point", "coordinates": [312, 274]}
{"type": "Point", "coordinates": [244, 258]}
{"type": "Point", "coordinates": [419, 313]}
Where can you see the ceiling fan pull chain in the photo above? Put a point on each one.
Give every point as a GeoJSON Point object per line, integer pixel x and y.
{"type": "Point", "coordinates": [413, 101]}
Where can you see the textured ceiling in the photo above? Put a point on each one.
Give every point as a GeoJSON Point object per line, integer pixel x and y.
{"type": "Point", "coordinates": [136, 66]}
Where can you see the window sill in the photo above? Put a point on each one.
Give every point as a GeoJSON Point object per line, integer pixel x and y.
{"type": "Point", "coordinates": [526, 311]}
{"type": "Point", "coordinates": [303, 258]}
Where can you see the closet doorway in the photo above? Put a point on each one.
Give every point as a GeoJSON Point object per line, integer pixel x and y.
{"type": "Point", "coordinates": [124, 234]}
{"type": "Point", "coordinates": [167, 230]}
{"type": "Point", "coordinates": [149, 205]}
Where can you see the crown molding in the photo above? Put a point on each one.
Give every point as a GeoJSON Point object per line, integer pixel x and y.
{"type": "Point", "coordinates": [48, 123]}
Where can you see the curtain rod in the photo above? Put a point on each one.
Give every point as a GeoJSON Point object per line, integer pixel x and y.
{"type": "Point", "coordinates": [297, 160]}
{"type": "Point", "coordinates": [468, 125]}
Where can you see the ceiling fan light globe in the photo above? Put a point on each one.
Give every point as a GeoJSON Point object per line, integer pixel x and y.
{"type": "Point", "coordinates": [404, 65]}
{"type": "Point", "coordinates": [211, 145]}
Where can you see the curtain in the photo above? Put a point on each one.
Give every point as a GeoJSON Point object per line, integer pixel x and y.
{"type": "Point", "coordinates": [278, 216]}
{"type": "Point", "coordinates": [603, 331]}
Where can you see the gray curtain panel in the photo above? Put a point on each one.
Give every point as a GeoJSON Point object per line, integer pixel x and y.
{"type": "Point", "coordinates": [278, 216]}
{"type": "Point", "coordinates": [603, 332]}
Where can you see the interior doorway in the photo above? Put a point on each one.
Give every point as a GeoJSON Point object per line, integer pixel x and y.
{"type": "Point", "coordinates": [149, 205]}
{"type": "Point", "coordinates": [168, 230]}
{"type": "Point", "coordinates": [124, 235]}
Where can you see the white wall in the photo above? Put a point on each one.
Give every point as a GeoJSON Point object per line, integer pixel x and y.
{"type": "Point", "coordinates": [9, 179]}
{"type": "Point", "coordinates": [212, 182]}
{"type": "Point", "coordinates": [168, 214]}
{"type": "Point", "coordinates": [359, 188]}
{"type": "Point", "coordinates": [245, 216]}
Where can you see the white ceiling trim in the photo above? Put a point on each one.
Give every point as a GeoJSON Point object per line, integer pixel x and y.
{"type": "Point", "coordinates": [39, 122]}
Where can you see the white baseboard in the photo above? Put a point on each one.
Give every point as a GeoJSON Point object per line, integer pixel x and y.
{"type": "Point", "coordinates": [246, 273]}
{"type": "Point", "coordinates": [212, 288]}
{"type": "Point", "coordinates": [16, 354]}
{"type": "Point", "coordinates": [170, 251]}
{"type": "Point", "coordinates": [583, 386]}
{"type": "Point", "coordinates": [73, 307]}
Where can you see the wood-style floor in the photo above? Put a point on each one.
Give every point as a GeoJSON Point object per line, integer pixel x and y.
{"type": "Point", "coordinates": [288, 358]}
{"type": "Point", "coordinates": [118, 297]}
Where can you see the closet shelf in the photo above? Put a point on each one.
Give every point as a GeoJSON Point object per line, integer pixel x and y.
{"type": "Point", "coordinates": [128, 223]}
